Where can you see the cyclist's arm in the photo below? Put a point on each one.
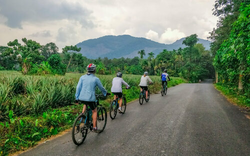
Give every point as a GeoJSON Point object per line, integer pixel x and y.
{"type": "Point", "coordinates": [150, 79]}
{"type": "Point", "coordinates": [168, 78]}
{"type": "Point", "coordinates": [100, 86]}
{"type": "Point", "coordinates": [78, 88]}
{"type": "Point", "coordinates": [125, 83]}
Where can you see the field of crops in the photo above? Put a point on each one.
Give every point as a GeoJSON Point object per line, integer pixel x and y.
{"type": "Point", "coordinates": [36, 107]}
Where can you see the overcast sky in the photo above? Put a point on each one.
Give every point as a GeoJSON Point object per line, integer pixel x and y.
{"type": "Point", "coordinates": [68, 22]}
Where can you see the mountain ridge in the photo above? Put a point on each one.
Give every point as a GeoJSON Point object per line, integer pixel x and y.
{"type": "Point", "coordinates": [127, 46]}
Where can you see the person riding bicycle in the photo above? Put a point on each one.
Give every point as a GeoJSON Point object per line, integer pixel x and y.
{"type": "Point", "coordinates": [116, 88]}
{"type": "Point", "coordinates": [144, 82]}
{"type": "Point", "coordinates": [164, 77]}
{"type": "Point", "coordinates": [85, 92]}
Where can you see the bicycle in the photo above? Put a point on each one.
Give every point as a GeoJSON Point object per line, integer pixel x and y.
{"type": "Point", "coordinates": [164, 89]}
{"type": "Point", "coordinates": [84, 122]}
{"type": "Point", "coordinates": [142, 96]}
{"type": "Point", "coordinates": [115, 104]}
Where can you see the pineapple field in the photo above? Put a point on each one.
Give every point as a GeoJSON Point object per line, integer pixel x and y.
{"type": "Point", "coordinates": [35, 107]}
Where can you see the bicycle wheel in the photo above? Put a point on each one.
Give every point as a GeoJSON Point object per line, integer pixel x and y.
{"type": "Point", "coordinates": [101, 118]}
{"type": "Point", "coordinates": [148, 97]}
{"type": "Point", "coordinates": [141, 98]}
{"type": "Point", "coordinates": [113, 109]}
{"type": "Point", "coordinates": [162, 92]}
{"type": "Point", "coordinates": [166, 90]}
{"type": "Point", "coordinates": [80, 131]}
{"type": "Point", "coordinates": [124, 105]}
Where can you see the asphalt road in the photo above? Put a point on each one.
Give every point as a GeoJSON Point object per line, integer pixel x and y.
{"type": "Point", "coordinates": [192, 120]}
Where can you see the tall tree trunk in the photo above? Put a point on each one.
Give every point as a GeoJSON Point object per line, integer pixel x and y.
{"type": "Point", "coordinates": [240, 86]}
{"type": "Point", "coordinates": [69, 63]}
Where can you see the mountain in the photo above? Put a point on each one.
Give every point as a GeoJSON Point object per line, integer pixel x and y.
{"type": "Point", "coordinates": [127, 46]}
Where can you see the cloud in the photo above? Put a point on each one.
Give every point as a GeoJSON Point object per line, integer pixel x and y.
{"type": "Point", "coordinates": [45, 33]}
{"type": "Point", "coordinates": [152, 35]}
{"type": "Point", "coordinates": [169, 36]}
{"type": "Point", "coordinates": [17, 12]}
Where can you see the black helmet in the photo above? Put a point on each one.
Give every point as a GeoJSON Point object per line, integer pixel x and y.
{"type": "Point", "coordinates": [165, 70]}
{"type": "Point", "coordinates": [146, 73]}
{"type": "Point", "coordinates": [119, 74]}
{"type": "Point", "coordinates": [91, 67]}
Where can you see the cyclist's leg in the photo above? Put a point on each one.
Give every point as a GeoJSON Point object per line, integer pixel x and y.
{"type": "Point", "coordinates": [84, 108]}
{"type": "Point", "coordinates": [120, 100]}
{"type": "Point", "coordinates": [94, 116]}
{"type": "Point", "coordinates": [146, 89]}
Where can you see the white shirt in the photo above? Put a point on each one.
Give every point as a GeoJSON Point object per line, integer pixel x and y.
{"type": "Point", "coordinates": [145, 80]}
{"type": "Point", "coordinates": [117, 85]}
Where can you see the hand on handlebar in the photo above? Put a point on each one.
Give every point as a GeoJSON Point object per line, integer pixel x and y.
{"type": "Point", "coordinates": [108, 94]}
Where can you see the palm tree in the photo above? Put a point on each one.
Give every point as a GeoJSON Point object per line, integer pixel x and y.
{"type": "Point", "coordinates": [142, 53]}
{"type": "Point", "coordinates": [151, 55]}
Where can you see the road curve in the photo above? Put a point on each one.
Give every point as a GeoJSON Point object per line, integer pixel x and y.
{"type": "Point", "coordinates": [192, 120]}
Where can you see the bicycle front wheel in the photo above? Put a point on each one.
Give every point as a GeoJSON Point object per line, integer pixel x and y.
{"type": "Point", "coordinates": [141, 98]}
{"type": "Point", "coordinates": [124, 105]}
{"type": "Point", "coordinates": [80, 130]}
{"type": "Point", "coordinates": [113, 110]}
{"type": "Point", "coordinates": [101, 118]}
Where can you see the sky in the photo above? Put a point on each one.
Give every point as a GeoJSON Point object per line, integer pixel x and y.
{"type": "Point", "coordinates": [68, 22]}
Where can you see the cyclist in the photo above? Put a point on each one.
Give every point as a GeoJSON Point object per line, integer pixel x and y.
{"type": "Point", "coordinates": [164, 77]}
{"type": "Point", "coordinates": [144, 83]}
{"type": "Point", "coordinates": [85, 92]}
{"type": "Point", "coordinates": [116, 88]}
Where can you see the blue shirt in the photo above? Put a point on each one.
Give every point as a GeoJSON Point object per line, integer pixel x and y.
{"type": "Point", "coordinates": [85, 90]}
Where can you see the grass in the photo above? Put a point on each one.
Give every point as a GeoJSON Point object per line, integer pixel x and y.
{"type": "Point", "coordinates": [233, 95]}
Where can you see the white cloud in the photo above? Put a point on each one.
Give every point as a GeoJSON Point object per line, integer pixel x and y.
{"type": "Point", "coordinates": [152, 35]}
{"type": "Point", "coordinates": [169, 36]}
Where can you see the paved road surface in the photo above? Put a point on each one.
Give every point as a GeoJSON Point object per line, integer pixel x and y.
{"type": "Point", "coordinates": [192, 120]}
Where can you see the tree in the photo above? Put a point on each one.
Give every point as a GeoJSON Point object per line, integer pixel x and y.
{"type": "Point", "coordinates": [141, 53]}
{"type": "Point", "coordinates": [69, 55]}
{"type": "Point", "coordinates": [49, 49]}
{"type": "Point", "coordinates": [29, 53]}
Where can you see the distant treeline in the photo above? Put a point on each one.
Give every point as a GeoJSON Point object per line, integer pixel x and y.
{"type": "Point", "coordinates": [192, 63]}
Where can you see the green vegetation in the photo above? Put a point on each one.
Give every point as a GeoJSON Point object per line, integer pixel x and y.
{"type": "Point", "coordinates": [232, 94]}
{"type": "Point", "coordinates": [36, 107]}
{"type": "Point", "coordinates": [231, 48]}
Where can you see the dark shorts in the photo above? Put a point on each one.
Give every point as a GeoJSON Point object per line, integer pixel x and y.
{"type": "Point", "coordinates": [164, 82]}
{"type": "Point", "coordinates": [91, 104]}
{"type": "Point", "coordinates": [118, 94]}
{"type": "Point", "coordinates": [144, 87]}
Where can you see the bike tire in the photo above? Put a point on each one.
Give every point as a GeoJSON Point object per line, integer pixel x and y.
{"type": "Point", "coordinates": [113, 110]}
{"type": "Point", "coordinates": [124, 105]}
{"type": "Point", "coordinates": [141, 98]}
{"type": "Point", "coordinates": [162, 92]}
{"type": "Point", "coordinates": [79, 128]}
{"type": "Point", "coordinates": [166, 90]}
{"type": "Point", "coordinates": [148, 96]}
{"type": "Point", "coordinates": [101, 118]}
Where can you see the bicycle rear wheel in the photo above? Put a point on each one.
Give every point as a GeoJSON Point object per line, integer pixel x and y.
{"type": "Point", "coordinates": [101, 118]}
{"type": "Point", "coordinates": [80, 130]}
{"type": "Point", "coordinates": [113, 109]}
{"type": "Point", "coordinates": [166, 90]}
{"type": "Point", "coordinates": [162, 93]}
{"type": "Point", "coordinates": [124, 105]}
{"type": "Point", "coordinates": [148, 97]}
{"type": "Point", "coordinates": [141, 98]}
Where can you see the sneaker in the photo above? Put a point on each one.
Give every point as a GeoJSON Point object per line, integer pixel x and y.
{"type": "Point", "coordinates": [120, 110]}
{"type": "Point", "coordinates": [96, 130]}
